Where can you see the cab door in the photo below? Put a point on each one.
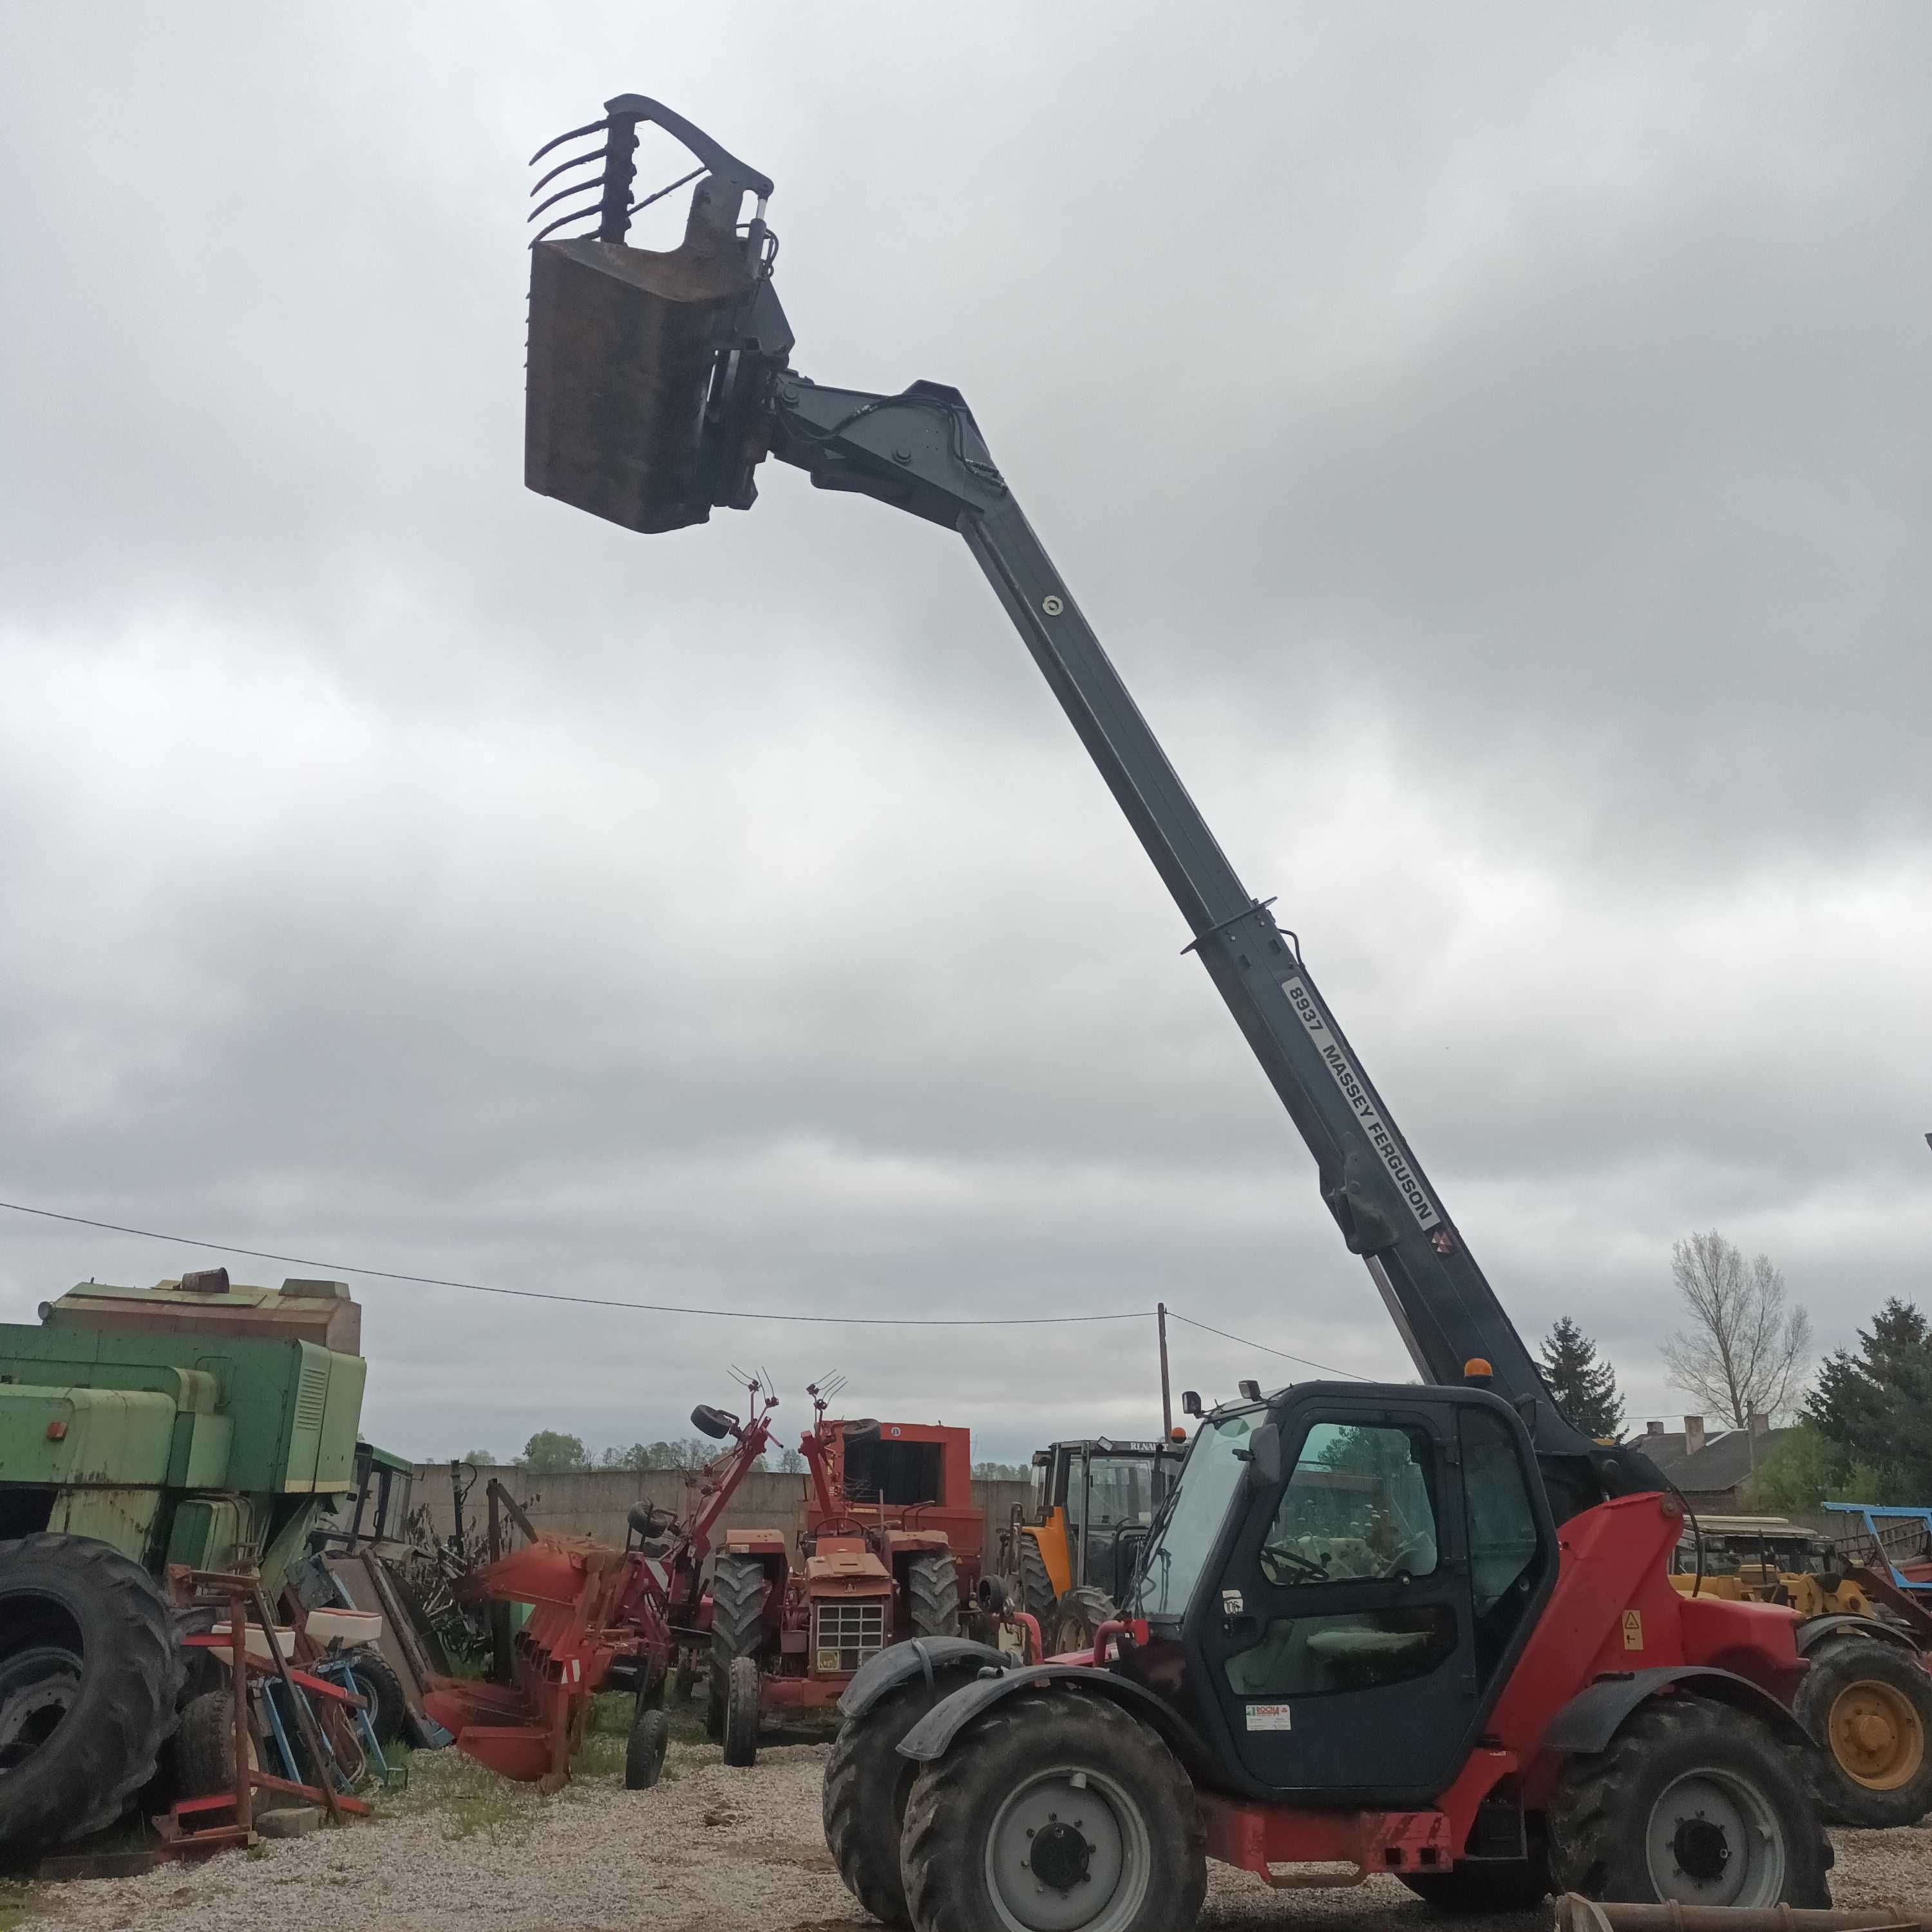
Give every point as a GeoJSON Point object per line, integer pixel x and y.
{"type": "Point", "coordinates": [1344, 1651]}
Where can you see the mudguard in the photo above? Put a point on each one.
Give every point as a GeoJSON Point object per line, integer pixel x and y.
{"type": "Point", "coordinates": [1593, 1717]}
{"type": "Point", "coordinates": [929, 1739]}
{"type": "Point", "coordinates": [893, 1665]}
{"type": "Point", "coordinates": [1846, 1623]}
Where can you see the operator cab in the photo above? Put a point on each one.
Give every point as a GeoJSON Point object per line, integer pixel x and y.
{"type": "Point", "coordinates": [1344, 1577]}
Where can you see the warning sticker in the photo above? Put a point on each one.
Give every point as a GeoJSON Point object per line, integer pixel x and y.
{"type": "Point", "coordinates": [1268, 1717]}
{"type": "Point", "coordinates": [1355, 1091]}
{"type": "Point", "coordinates": [1633, 1629]}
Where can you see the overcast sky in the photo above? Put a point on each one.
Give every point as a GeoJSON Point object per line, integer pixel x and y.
{"type": "Point", "coordinates": [1492, 442]}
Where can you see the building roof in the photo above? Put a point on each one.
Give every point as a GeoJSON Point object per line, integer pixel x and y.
{"type": "Point", "coordinates": [1723, 1463]}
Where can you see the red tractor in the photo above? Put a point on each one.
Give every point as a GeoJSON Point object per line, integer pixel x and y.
{"type": "Point", "coordinates": [891, 1546]}
{"type": "Point", "coordinates": [601, 1618]}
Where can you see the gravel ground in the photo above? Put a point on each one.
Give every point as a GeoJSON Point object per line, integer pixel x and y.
{"type": "Point", "coordinates": [709, 1850]}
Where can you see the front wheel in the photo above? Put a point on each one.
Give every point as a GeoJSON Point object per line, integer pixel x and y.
{"type": "Point", "coordinates": [1868, 1706]}
{"type": "Point", "coordinates": [1057, 1811]}
{"type": "Point", "coordinates": [867, 1783]}
{"type": "Point", "coordinates": [1693, 1803]}
{"type": "Point", "coordinates": [741, 1712]}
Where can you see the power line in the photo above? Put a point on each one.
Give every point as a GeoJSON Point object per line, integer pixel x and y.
{"type": "Point", "coordinates": [1174, 1315]}
{"type": "Point", "coordinates": [594, 1300]}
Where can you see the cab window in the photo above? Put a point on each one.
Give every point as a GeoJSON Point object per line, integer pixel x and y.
{"type": "Point", "coordinates": [1357, 1505]}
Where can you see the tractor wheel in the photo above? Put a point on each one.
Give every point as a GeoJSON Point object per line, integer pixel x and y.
{"type": "Point", "coordinates": [1868, 1705]}
{"type": "Point", "coordinates": [644, 1755]}
{"type": "Point", "coordinates": [1056, 1811]}
{"type": "Point", "coordinates": [866, 1786]}
{"type": "Point", "coordinates": [1076, 1619]}
{"type": "Point", "coordinates": [1486, 1886]}
{"type": "Point", "coordinates": [88, 1673]}
{"type": "Point", "coordinates": [737, 1628]}
{"type": "Point", "coordinates": [1036, 1596]}
{"type": "Point", "coordinates": [204, 1746]}
{"type": "Point", "coordinates": [375, 1679]}
{"type": "Point", "coordinates": [932, 1593]}
{"type": "Point", "coordinates": [1693, 1803]}
{"type": "Point", "coordinates": [741, 1713]}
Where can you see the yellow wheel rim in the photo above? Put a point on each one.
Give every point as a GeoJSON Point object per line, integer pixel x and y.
{"type": "Point", "coordinates": [1877, 1737]}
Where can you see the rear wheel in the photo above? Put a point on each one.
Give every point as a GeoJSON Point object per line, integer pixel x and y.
{"type": "Point", "coordinates": [1056, 1812]}
{"type": "Point", "coordinates": [741, 1712]}
{"type": "Point", "coordinates": [204, 1746]}
{"type": "Point", "coordinates": [737, 1628]}
{"type": "Point", "coordinates": [1076, 1619]}
{"type": "Point", "coordinates": [644, 1754]}
{"type": "Point", "coordinates": [1036, 1591]}
{"type": "Point", "coordinates": [932, 1593]}
{"type": "Point", "coordinates": [866, 1786]}
{"type": "Point", "coordinates": [88, 1675]}
{"type": "Point", "coordinates": [1693, 1803]}
{"type": "Point", "coordinates": [1868, 1706]}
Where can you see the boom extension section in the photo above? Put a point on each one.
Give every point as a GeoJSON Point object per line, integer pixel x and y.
{"type": "Point", "coordinates": [658, 381]}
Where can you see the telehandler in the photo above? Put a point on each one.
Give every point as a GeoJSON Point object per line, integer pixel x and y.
{"type": "Point", "coordinates": [1423, 1630]}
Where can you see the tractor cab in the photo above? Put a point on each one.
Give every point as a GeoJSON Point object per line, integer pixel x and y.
{"type": "Point", "coordinates": [1342, 1579]}
{"type": "Point", "coordinates": [1093, 1502]}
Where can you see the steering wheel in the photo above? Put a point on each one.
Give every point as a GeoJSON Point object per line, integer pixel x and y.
{"type": "Point", "coordinates": [1293, 1559]}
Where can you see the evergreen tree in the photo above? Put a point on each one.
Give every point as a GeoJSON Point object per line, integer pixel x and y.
{"type": "Point", "coordinates": [1584, 1388]}
{"type": "Point", "coordinates": [1875, 1406]}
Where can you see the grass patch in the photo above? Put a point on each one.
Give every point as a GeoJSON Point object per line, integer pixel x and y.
{"type": "Point", "coordinates": [18, 1903]}
{"type": "Point", "coordinates": [468, 1801]}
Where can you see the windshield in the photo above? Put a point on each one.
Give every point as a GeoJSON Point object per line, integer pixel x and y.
{"type": "Point", "coordinates": [1119, 1491]}
{"type": "Point", "coordinates": [1197, 1508]}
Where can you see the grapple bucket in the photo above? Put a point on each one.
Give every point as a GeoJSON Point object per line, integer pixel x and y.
{"type": "Point", "coordinates": [648, 369]}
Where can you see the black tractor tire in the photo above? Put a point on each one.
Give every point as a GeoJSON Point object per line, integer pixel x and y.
{"type": "Point", "coordinates": [1487, 1885]}
{"type": "Point", "coordinates": [932, 1593]}
{"type": "Point", "coordinates": [741, 1713]}
{"type": "Point", "coordinates": [89, 1673]}
{"type": "Point", "coordinates": [738, 1585]}
{"type": "Point", "coordinates": [1035, 1592]}
{"type": "Point", "coordinates": [204, 1746]}
{"type": "Point", "coordinates": [1734, 1787]}
{"type": "Point", "coordinates": [867, 1783]}
{"type": "Point", "coordinates": [1076, 1619]}
{"type": "Point", "coordinates": [644, 1754]}
{"type": "Point", "coordinates": [1867, 1706]}
{"type": "Point", "coordinates": [1126, 1843]}
{"type": "Point", "coordinates": [389, 1703]}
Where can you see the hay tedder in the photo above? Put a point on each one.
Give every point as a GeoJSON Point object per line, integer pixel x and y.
{"type": "Point", "coordinates": [600, 1617]}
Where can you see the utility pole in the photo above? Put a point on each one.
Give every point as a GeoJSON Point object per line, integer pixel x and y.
{"type": "Point", "coordinates": [1166, 1400]}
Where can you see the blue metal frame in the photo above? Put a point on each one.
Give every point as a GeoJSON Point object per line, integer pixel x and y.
{"type": "Point", "coordinates": [1869, 1513]}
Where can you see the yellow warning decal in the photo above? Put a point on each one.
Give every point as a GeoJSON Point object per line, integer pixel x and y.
{"type": "Point", "coordinates": [1633, 1629]}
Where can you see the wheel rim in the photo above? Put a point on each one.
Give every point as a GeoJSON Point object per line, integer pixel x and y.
{"type": "Point", "coordinates": [1068, 1852]}
{"type": "Point", "coordinates": [1877, 1738]}
{"type": "Point", "coordinates": [1713, 1839]}
{"type": "Point", "coordinates": [40, 1677]}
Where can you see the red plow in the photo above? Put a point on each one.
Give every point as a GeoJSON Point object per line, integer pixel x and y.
{"type": "Point", "coordinates": [597, 1614]}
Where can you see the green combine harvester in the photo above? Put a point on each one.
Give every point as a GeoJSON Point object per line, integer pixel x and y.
{"type": "Point", "coordinates": [197, 1425]}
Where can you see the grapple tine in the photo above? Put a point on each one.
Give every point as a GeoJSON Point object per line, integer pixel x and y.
{"type": "Point", "coordinates": [564, 167]}
{"type": "Point", "coordinates": [589, 127]}
{"type": "Point", "coordinates": [595, 187]}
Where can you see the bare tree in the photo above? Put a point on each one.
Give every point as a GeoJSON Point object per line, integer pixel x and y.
{"type": "Point", "coordinates": [1745, 1352]}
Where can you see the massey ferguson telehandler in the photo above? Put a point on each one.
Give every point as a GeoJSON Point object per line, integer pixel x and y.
{"type": "Point", "coordinates": [1423, 1630]}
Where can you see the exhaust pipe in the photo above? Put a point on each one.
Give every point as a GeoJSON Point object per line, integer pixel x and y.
{"type": "Point", "coordinates": [649, 371]}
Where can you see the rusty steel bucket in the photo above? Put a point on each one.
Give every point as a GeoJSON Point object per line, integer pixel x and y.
{"type": "Point", "coordinates": [647, 367]}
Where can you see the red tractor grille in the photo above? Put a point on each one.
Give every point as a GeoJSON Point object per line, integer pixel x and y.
{"type": "Point", "coordinates": [845, 1633]}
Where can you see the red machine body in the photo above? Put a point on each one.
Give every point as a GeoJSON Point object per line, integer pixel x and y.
{"type": "Point", "coordinates": [592, 1606]}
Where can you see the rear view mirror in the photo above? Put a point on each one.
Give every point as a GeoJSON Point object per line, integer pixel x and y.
{"type": "Point", "coordinates": [1265, 1467]}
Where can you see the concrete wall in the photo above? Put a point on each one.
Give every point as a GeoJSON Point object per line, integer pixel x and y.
{"type": "Point", "coordinates": [597, 1502]}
